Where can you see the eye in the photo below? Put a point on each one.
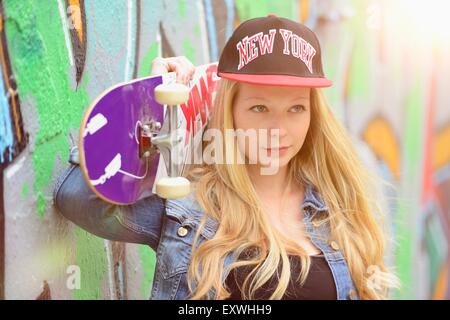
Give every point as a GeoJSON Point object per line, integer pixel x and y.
{"type": "Point", "coordinates": [259, 108]}
{"type": "Point", "coordinates": [298, 108]}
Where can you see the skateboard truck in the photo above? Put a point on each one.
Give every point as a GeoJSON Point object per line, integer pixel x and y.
{"type": "Point", "coordinates": [146, 133]}
{"type": "Point", "coordinates": [172, 95]}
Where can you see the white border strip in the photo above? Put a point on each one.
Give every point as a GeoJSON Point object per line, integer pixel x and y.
{"type": "Point", "coordinates": [66, 31]}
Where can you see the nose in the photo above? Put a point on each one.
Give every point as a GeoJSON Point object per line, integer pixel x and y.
{"type": "Point", "coordinates": [276, 134]}
{"type": "Point", "coordinates": [277, 126]}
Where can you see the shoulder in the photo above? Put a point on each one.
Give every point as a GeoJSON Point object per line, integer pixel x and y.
{"type": "Point", "coordinates": [187, 212]}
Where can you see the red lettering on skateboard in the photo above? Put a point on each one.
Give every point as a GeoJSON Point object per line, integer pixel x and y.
{"type": "Point", "coordinates": [200, 103]}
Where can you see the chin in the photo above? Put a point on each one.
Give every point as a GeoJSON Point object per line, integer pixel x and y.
{"type": "Point", "coordinates": [283, 161]}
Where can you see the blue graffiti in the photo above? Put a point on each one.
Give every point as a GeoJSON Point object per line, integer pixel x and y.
{"type": "Point", "coordinates": [211, 30]}
{"type": "Point", "coordinates": [6, 130]}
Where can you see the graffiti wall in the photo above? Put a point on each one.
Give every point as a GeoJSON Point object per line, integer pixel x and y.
{"type": "Point", "coordinates": [57, 56]}
{"type": "Point", "coordinates": [388, 60]}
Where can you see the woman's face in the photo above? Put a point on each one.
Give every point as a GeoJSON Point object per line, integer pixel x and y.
{"type": "Point", "coordinates": [272, 107]}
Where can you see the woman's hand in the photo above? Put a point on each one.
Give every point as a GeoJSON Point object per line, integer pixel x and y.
{"type": "Point", "coordinates": [181, 65]}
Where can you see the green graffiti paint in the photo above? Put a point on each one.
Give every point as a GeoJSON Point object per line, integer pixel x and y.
{"type": "Point", "coordinates": [404, 250]}
{"type": "Point", "coordinates": [40, 60]}
{"type": "Point", "coordinates": [39, 57]}
{"type": "Point", "coordinates": [330, 70]}
{"type": "Point", "coordinates": [182, 8]}
{"type": "Point", "coordinates": [91, 259]}
{"type": "Point", "coordinates": [25, 190]}
{"type": "Point", "coordinates": [434, 237]}
{"type": "Point", "coordinates": [197, 30]}
{"type": "Point", "coordinates": [247, 9]}
{"type": "Point", "coordinates": [189, 51]}
{"type": "Point", "coordinates": [148, 260]}
{"type": "Point", "coordinates": [407, 207]}
{"type": "Point", "coordinates": [145, 66]}
{"type": "Point", "coordinates": [359, 70]}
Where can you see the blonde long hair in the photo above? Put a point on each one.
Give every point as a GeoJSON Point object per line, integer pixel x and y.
{"type": "Point", "coordinates": [327, 161]}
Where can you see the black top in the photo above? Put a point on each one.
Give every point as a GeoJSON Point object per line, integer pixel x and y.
{"type": "Point", "coordinates": [319, 284]}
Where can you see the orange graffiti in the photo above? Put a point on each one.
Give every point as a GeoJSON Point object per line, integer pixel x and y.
{"type": "Point", "coordinates": [441, 283]}
{"type": "Point", "coordinates": [76, 17]}
{"type": "Point", "coordinates": [441, 148]}
{"type": "Point", "coordinates": [304, 10]}
{"type": "Point", "coordinates": [381, 139]}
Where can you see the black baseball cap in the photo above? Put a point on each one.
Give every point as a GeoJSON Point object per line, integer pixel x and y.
{"type": "Point", "coordinates": [273, 51]}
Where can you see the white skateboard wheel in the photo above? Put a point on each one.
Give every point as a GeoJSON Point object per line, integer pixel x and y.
{"type": "Point", "coordinates": [173, 187]}
{"type": "Point", "coordinates": [171, 94]}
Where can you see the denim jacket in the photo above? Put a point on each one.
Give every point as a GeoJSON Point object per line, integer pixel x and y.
{"type": "Point", "coordinates": [169, 226]}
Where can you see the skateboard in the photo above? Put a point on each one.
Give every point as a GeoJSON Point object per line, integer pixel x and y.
{"type": "Point", "coordinates": [137, 137]}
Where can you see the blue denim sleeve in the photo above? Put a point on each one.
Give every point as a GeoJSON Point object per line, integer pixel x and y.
{"type": "Point", "coordinates": [139, 222]}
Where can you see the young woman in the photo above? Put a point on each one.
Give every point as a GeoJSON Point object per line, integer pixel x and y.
{"type": "Point", "coordinates": [311, 229]}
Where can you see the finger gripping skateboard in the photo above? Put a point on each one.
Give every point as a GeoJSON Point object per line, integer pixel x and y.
{"type": "Point", "coordinates": [132, 136]}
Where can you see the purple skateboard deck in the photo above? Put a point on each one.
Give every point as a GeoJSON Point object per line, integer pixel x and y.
{"type": "Point", "coordinates": [109, 141]}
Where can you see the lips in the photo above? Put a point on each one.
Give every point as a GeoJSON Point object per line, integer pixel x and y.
{"type": "Point", "coordinates": [280, 148]}
{"type": "Point", "coordinates": [277, 152]}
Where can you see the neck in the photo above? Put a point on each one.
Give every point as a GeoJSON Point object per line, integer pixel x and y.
{"type": "Point", "coordinates": [270, 186]}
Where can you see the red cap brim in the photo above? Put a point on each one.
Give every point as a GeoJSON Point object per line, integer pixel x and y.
{"type": "Point", "coordinates": [278, 80]}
